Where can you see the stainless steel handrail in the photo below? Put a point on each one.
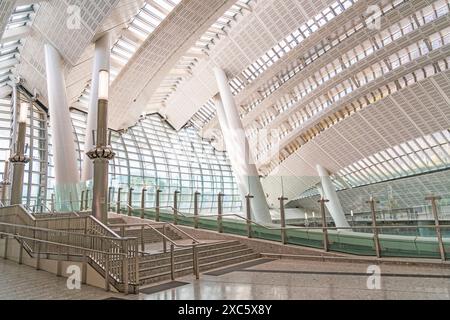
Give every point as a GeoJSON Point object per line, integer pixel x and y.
{"type": "Point", "coordinates": [107, 254]}
{"type": "Point", "coordinates": [101, 234]}
{"type": "Point", "coordinates": [304, 228]}
{"type": "Point", "coordinates": [172, 259]}
{"type": "Point", "coordinates": [21, 226]}
{"type": "Point", "coordinates": [324, 227]}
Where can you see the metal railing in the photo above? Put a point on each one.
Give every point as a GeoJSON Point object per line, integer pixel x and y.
{"type": "Point", "coordinates": [47, 248]}
{"type": "Point", "coordinates": [283, 229]}
{"type": "Point", "coordinates": [173, 244]}
{"type": "Point", "coordinates": [80, 232]}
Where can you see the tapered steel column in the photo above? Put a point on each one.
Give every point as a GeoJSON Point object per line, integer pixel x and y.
{"type": "Point", "coordinates": [19, 159]}
{"type": "Point", "coordinates": [196, 208]}
{"type": "Point", "coordinates": [334, 205]}
{"type": "Point", "coordinates": [238, 149]}
{"type": "Point", "coordinates": [282, 219]}
{"type": "Point", "coordinates": [5, 182]}
{"type": "Point", "coordinates": [67, 176]}
{"type": "Point", "coordinates": [101, 154]}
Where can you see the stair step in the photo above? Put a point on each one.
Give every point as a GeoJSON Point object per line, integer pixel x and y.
{"type": "Point", "coordinates": [188, 270]}
{"type": "Point", "coordinates": [201, 260]}
{"type": "Point", "coordinates": [228, 261]}
{"type": "Point", "coordinates": [188, 256]}
{"type": "Point", "coordinates": [211, 256]}
{"type": "Point", "coordinates": [201, 248]}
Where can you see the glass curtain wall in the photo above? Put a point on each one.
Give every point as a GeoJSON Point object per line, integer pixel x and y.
{"type": "Point", "coordinates": [150, 154]}
{"type": "Point", "coordinates": [153, 155]}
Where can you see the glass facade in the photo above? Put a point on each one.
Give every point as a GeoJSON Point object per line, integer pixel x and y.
{"type": "Point", "coordinates": [154, 155]}
{"type": "Point", "coordinates": [150, 154]}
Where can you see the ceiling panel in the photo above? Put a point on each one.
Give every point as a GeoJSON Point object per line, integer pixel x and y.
{"type": "Point", "coordinates": [133, 88]}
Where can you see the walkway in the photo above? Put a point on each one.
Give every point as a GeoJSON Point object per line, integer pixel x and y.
{"type": "Point", "coordinates": [278, 279]}
{"type": "Point", "coordinates": [295, 279]}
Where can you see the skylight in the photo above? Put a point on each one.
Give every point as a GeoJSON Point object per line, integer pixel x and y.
{"type": "Point", "coordinates": [142, 25]}
{"type": "Point", "coordinates": [204, 43]}
{"type": "Point", "coordinates": [9, 50]}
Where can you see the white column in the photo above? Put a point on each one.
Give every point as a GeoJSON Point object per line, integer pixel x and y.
{"type": "Point", "coordinates": [241, 159]}
{"type": "Point", "coordinates": [329, 193]}
{"type": "Point", "coordinates": [101, 62]}
{"type": "Point", "coordinates": [64, 151]}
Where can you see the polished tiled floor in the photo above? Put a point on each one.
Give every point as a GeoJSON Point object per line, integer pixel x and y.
{"type": "Point", "coordinates": [20, 282]}
{"type": "Point", "coordinates": [293, 279]}
{"type": "Point", "coordinates": [279, 279]}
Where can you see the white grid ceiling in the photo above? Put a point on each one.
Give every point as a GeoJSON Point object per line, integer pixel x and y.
{"type": "Point", "coordinates": [50, 26]}
{"type": "Point", "coordinates": [134, 88]}
{"type": "Point", "coordinates": [382, 125]}
{"type": "Point", "coordinates": [6, 8]}
{"type": "Point", "coordinates": [245, 42]}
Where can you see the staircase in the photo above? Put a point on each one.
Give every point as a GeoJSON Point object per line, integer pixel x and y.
{"type": "Point", "coordinates": [72, 237]}
{"type": "Point", "coordinates": [157, 267]}
{"type": "Point", "coordinates": [117, 259]}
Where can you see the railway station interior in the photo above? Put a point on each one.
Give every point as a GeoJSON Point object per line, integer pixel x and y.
{"type": "Point", "coordinates": [224, 149]}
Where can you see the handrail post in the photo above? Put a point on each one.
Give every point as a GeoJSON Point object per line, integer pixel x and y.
{"type": "Point", "coordinates": [219, 212]}
{"type": "Point", "coordinates": [5, 253]}
{"type": "Point", "coordinates": [142, 239]}
{"type": "Point", "coordinates": [21, 251]}
{"type": "Point", "coordinates": [164, 239]}
{"type": "Point", "coordinates": [283, 219]}
{"type": "Point", "coordinates": [433, 200]}
{"type": "Point", "coordinates": [59, 262]}
{"type": "Point", "coordinates": [172, 263]}
{"type": "Point", "coordinates": [248, 211]}
{"type": "Point", "coordinates": [144, 190]}
{"type": "Point", "coordinates": [374, 226]}
{"type": "Point", "coordinates": [125, 266]}
{"type": "Point", "coordinates": [130, 201]}
{"type": "Point", "coordinates": [106, 253]}
{"type": "Point", "coordinates": [195, 262]}
{"type": "Point", "coordinates": [175, 207]}
{"type": "Point", "coordinates": [38, 258]}
{"type": "Point", "coordinates": [71, 201]}
{"type": "Point", "coordinates": [119, 190]}
{"type": "Point", "coordinates": [110, 191]}
{"type": "Point", "coordinates": [82, 201]}
{"type": "Point", "coordinates": [196, 209]}
{"type": "Point", "coordinates": [84, 264]}
{"type": "Point", "coordinates": [157, 201]}
{"type": "Point", "coordinates": [86, 203]}
{"type": "Point", "coordinates": [136, 264]}
{"type": "Point", "coordinates": [52, 202]}
{"type": "Point", "coordinates": [324, 223]}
